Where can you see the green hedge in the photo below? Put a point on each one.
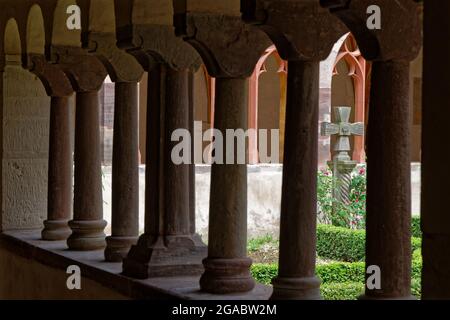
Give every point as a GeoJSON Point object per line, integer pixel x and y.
{"type": "Point", "coordinates": [336, 272]}
{"type": "Point", "coordinates": [415, 227]}
{"type": "Point", "coordinates": [341, 272]}
{"type": "Point", "coordinates": [344, 280]}
{"type": "Point", "coordinates": [342, 291]}
{"type": "Point", "coordinates": [342, 244]}
{"type": "Point", "coordinates": [416, 244]}
{"type": "Point", "coordinates": [333, 287]}
{"type": "Point", "coordinates": [340, 280]}
{"type": "Point", "coordinates": [264, 273]}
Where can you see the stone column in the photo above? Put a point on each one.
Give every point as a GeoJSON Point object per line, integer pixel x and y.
{"type": "Point", "coordinates": [60, 162]}
{"type": "Point", "coordinates": [87, 224]}
{"type": "Point", "coordinates": [227, 268]}
{"type": "Point", "coordinates": [169, 246]}
{"type": "Point", "coordinates": [60, 166]}
{"type": "Point", "coordinates": [435, 155]}
{"type": "Point", "coordinates": [388, 218]}
{"type": "Point", "coordinates": [230, 50]}
{"type": "Point", "coordinates": [177, 177]}
{"type": "Point", "coordinates": [125, 173]}
{"type": "Point", "coordinates": [296, 277]}
{"type": "Point", "coordinates": [125, 71]}
{"type": "Point", "coordinates": [279, 18]}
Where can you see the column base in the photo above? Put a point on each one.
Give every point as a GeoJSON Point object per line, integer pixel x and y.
{"type": "Point", "coordinates": [55, 230]}
{"type": "Point", "coordinates": [117, 248]}
{"type": "Point", "coordinates": [296, 289]}
{"type": "Point", "coordinates": [165, 257]}
{"type": "Point", "coordinates": [223, 276]}
{"type": "Point", "coordinates": [87, 235]}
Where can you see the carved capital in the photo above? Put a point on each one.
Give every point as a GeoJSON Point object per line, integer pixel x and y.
{"type": "Point", "coordinates": [121, 66]}
{"type": "Point", "coordinates": [400, 35]}
{"type": "Point", "coordinates": [159, 43]}
{"type": "Point", "coordinates": [55, 81]}
{"type": "Point", "coordinates": [86, 72]}
{"type": "Point", "coordinates": [301, 30]}
{"type": "Point", "coordinates": [228, 46]}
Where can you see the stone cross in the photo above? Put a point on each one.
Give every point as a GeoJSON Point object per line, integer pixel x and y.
{"type": "Point", "coordinates": [342, 164]}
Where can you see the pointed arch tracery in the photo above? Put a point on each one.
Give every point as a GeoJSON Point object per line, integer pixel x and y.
{"type": "Point", "coordinates": [358, 71]}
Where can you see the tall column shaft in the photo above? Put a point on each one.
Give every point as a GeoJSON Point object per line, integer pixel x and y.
{"type": "Point", "coordinates": [296, 278]}
{"type": "Point", "coordinates": [192, 215]}
{"type": "Point", "coordinates": [388, 224]}
{"type": "Point", "coordinates": [125, 173]}
{"type": "Point", "coordinates": [153, 174]}
{"type": "Point", "coordinates": [176, 184]}
{"type": "Point", "coordinates": [167, 247]}
{"type": "Point", "coordinates": [435, 217]}
{"type": "Point", "coordinates": [87, 224]}
{"type": "Point", "coordinates": [227, 266]}
{"type": "Point", "coordinates": [59, 172]}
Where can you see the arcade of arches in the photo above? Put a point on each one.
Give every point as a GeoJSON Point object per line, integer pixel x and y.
{"type": "Point", "coordinates": [345, 80]}
{"type": "Point", "coordinates": [263, 64]}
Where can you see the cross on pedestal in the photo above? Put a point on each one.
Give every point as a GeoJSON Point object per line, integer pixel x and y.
{"type": "Point", "coordinates": [342, 164]}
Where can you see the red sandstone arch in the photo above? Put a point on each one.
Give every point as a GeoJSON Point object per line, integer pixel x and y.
{"type": "Point", "coordinates": [253, 97]}
{"type": "Point", "coordinates": [254, 94]}
{"type": "Point", "coordinates": [358, 71]}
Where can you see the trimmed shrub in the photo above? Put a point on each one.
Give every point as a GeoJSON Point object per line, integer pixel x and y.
{"type": "Point", "coordinates": [415, 227]}
{"type": "Point", "coordinates": [416, 244]}
{"type": "Point", "coordinates": [342, 291]}
{"type": "Point", "coordinates": [264, 273]}
{"type": "Point", "coordinates": [340, 280]}
{"type": "Point", "coordinates": [416, 288]}
{"type": "Point", "coordinates": [340, 244]}
{"type": "Point", "coordinates": [336, 272]}
{"type": "Point", "coordinates": [341, 272]}
{"type": "Point", "coordinates": [416, 268]}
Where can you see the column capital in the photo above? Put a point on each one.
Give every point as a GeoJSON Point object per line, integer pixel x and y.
{"type": "Point", "coordinates": [86, 72]}
{"type": "Point", "coordinates": [121, 66]}
{"type": "Point", "coordinates": [400, 36]}
{"type": "Point", "coordinates": [55, 81]}
{"type": "Point", "coordinates": [162, 46]}
{"type": "Point", "coordinates": [145, 29]}
{"type": "Point", "coordinates": [301, 30]}
{"type": "Point", "coordinates": [229, 47]}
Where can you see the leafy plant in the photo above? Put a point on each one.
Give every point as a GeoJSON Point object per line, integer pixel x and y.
{"type": "Point", "coordinates": [257, 243]}
{"type": "Point", "coordinates": [350, 215]}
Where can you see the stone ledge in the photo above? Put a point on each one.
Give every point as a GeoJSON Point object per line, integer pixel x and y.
{"type": "Point", "coordinates": [56, 255]}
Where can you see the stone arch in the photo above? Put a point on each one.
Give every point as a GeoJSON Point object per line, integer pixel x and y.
{"type": "Point", "coordinates": [346, 49]}
{"type": "Point", "coordinates": [357, 65]}
{"type": "Point", "coordinates": [102, 16]}
{"type": "Point", "coordinates": [254, 95]}
{"type": "Point", "coordinates": [253, 99]}
{"type": "Point", "coordinates": [152, 11]}
{"type": "Point", "coordinates": [61, 35]}
{"type": "Point", "coordinates": [12, 44]}
{"type": "Point", "coordinates": [35, 36]}
{"type": "Point", "coordinates": [328, 65]}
